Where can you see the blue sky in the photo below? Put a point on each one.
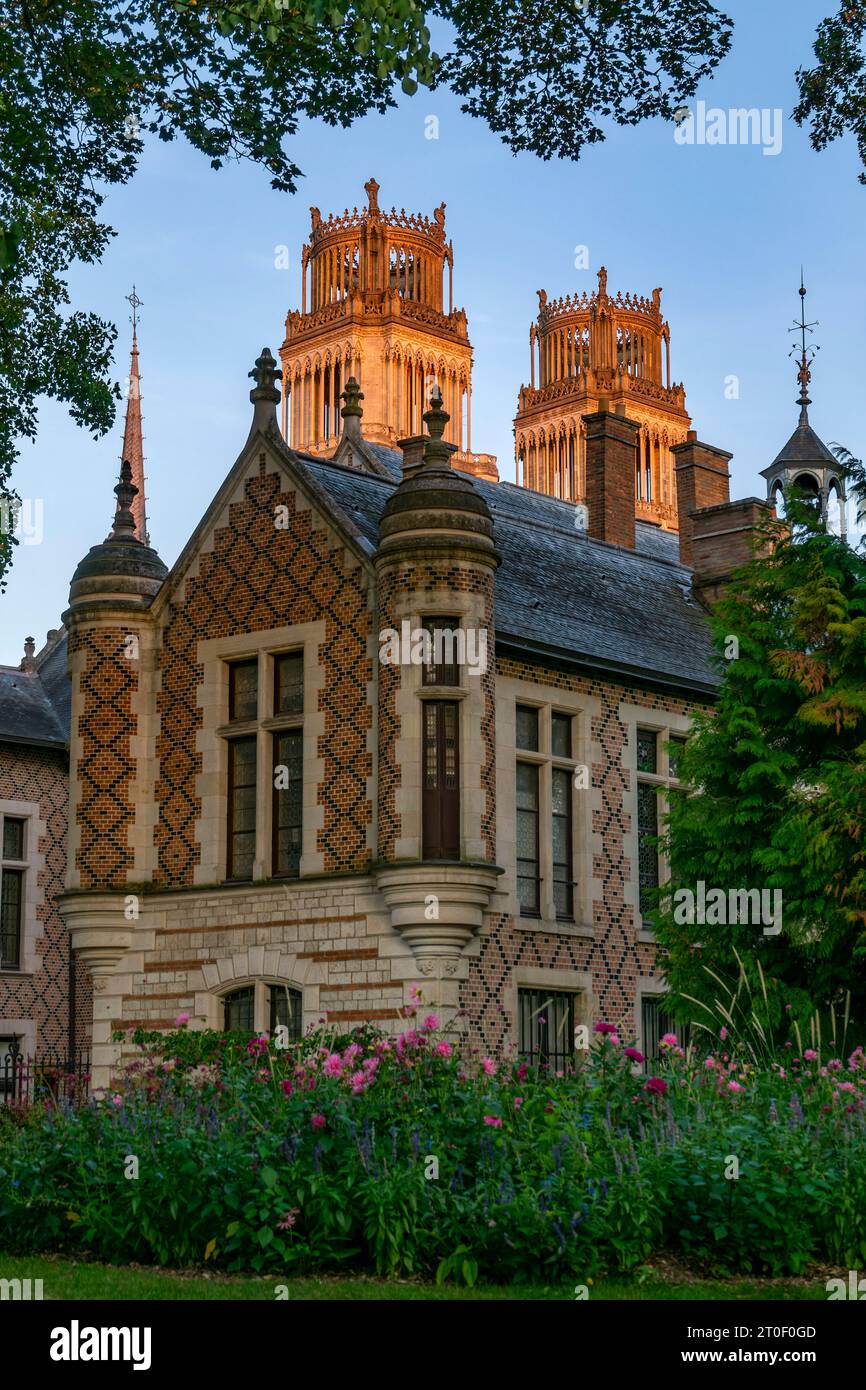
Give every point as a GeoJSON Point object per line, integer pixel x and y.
{"type": "Point", "coordinates": [723, 229]}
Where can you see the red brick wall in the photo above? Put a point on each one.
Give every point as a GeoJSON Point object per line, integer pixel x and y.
{"type": "Point", "coordinates": [41, 775]}
{"type": "Point", "coordinates": [614, 957]}
{"type": "Point", "coordinates": [105, 765]}
{"type": "Point", "coordinates": [258, 577]}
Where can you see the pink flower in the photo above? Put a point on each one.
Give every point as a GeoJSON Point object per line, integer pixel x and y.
{"type": "Point", "coordinates": [257, 1045]}
{"type": "Point", "coordinates": [522, 1070]}
{"type": "Point", "coordinates": [723, 1033]}
{"type": "Point", "coordinates": [734, 1086]}
{"type": "Point", "coordinates": [493, 1120]}
{"type": "Point", "coordinates": [351, 1053]}
{"type": "Point", "coordinates": [415, 995]}
{"type": "Point", "coordinates": [333, 1065]}
{"type": "Point", "coordinates": [443, 1049]}
{"type": "Point", "coordinates": [181, 1020]}
{"type": "Point", "coordinates": [604, 1028]}
{"type": "Point", "coordinates": [317, 1122]}
{"type": "Point", "coordinates": [656, 1086]}
{"type": "Point", "coordinates": [370, 1064]}
{"type": "Point", "coordinates": [633, 1054]}
{"type": "Point", "coordinates": [288, 1219]}
{"type": "Point", "coordinates": [613, 1038]}
{"type": "Point", "coordinates": [117, 1100]}
{"type": "Point", "coordinates": [810, 1055]}
{"type": "Point", "coordinates": [359, 1082]}
{"type": "Point", "coordinates": [518, 1101]}
{"type": "Point", "coordinates": [287, 1087]}
{"type": "Point", "coordinates": [431, 1022]}
{"type": "Point", "coordinates": [670, 1040]}
{"type": "Point", "coordinates": [709, 1063]}
{"type": "Point", "coordinates": [488, 1066]}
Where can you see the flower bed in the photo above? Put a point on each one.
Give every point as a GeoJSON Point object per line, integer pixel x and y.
{"type": "Point", "coordinates": [414, 1155]}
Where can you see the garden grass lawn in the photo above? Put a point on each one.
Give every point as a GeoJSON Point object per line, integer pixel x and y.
{"type": "Point", "coordinates": [69, 1279]}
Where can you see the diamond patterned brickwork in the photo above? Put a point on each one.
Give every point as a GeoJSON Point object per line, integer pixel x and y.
{"type": "Point", "coordinates": [41, 775]}
{"type": "Point", "coordinates": [256, 577]}
{"type": "Point", "coordinates": [423, 581]}
{"type": "Point", "coordinates": [106, 768]}
{"type": "Point", "coordinates": [614, 956]}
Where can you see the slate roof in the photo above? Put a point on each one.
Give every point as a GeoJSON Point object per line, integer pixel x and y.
{"type": "Point", "coordinates": [34, 705]}
{"type": "Point", "coordinates": [803, 448]}
{"type": "Point", "coordinates": [562, 596]}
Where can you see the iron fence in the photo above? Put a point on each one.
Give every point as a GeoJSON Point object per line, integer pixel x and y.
{"type": "Point", "coordinates": [47, 1075]}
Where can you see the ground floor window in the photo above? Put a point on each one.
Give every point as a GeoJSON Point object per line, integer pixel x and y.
{"type": "Point", "coordinates": [239, 1010]}
{"type": "Point", "coordinates": [285, 1008]}
{"type": "Point", "coordinates": [655, 1022]}
{"type": "Point", "coordinates": [545, 1027]}
{"type": "Point", "coordinates": [262, 1007]}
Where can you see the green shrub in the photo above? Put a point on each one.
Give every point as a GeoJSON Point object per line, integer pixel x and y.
{"type": "Point", "coordinates": [409, 1156]}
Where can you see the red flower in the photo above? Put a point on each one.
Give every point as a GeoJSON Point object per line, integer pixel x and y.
{"type": "Point", "coordinates": [656, 1086]}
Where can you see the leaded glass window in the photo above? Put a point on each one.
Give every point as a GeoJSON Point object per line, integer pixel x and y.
{"type": "Point", "coordinates": [288, 800]}
{"type": "Point", "coordinates": [528, 867]}
{"type": "Point", "coordinates": [648, 855]}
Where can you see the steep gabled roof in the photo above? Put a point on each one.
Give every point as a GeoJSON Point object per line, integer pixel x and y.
{"type": "Point", "coordinates": [34, 704]}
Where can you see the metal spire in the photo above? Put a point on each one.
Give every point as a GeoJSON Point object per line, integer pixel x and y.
{"type": "Point", "coordinates": [806, 354]}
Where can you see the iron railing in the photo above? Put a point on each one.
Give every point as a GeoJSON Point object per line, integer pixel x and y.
{"type": "Point", "coordinates": [47, 1075]}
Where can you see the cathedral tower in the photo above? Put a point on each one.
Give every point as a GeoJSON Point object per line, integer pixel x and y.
{"type": "Point", "coordinates": [594, 352]}
{"type": "Point", "coordinates": [377, 313]}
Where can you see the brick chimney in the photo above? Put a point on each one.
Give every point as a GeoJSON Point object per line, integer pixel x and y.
{"type": "Point", "coordinates": [413, 452]}
{"type": "Point", "coordinates": [723, 541]}
{"type": "Point", "coordinates": [611, 458]}
{"type": "Point", "coordinates": [702, 481]}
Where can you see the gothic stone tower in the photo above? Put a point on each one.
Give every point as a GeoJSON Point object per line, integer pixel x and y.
{"type": "Point", "coordinates": [596, 352]}
{"type": "Point", "coordinates": [377, 313]}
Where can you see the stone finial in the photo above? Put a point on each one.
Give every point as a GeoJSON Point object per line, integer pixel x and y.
{"type": "Point", "coordinates": [28, 664]}
{"type": "Point", "coordinates": [352, 410]}
{"type": "Point", "coordinates": [265, 394]}
{"type": "Point", "coordinates": [125, 491]}
{"type": "Point", "coordinates": [437, 453]}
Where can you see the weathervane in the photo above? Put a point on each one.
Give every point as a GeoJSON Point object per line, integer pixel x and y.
{"type": "Point", "coordinates": [806, 354]}
{"type": "Point", "coordinates": [136, 303]}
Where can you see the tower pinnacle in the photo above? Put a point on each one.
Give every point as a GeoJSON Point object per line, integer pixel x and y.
{"type": "Point", "coordinates": [133, 447]}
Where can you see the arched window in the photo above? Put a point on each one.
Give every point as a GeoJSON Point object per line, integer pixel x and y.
{"type": "Point", "coordinates": [262, 1007]}
{"type": "Point", "coordinates": [239, 1010]}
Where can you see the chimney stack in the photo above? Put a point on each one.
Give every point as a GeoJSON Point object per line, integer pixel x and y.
{"type": "Point", "coordinates": [703, 480]}
{"type": "Point", "coordinates": [413, 452]}
{"type": "Point", "coordinates": [723, 540]}
{"type": "Point", "coordinates": [611, 459]}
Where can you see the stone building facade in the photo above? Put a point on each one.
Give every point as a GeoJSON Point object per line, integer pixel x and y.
{"type": "Point", "coordinates": [270, 822]}
{"type": "Point", "coordinates": [386, 723]}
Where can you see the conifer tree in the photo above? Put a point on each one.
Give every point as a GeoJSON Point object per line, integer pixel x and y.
{"type": "Point", "coordinates": [773, 782]}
